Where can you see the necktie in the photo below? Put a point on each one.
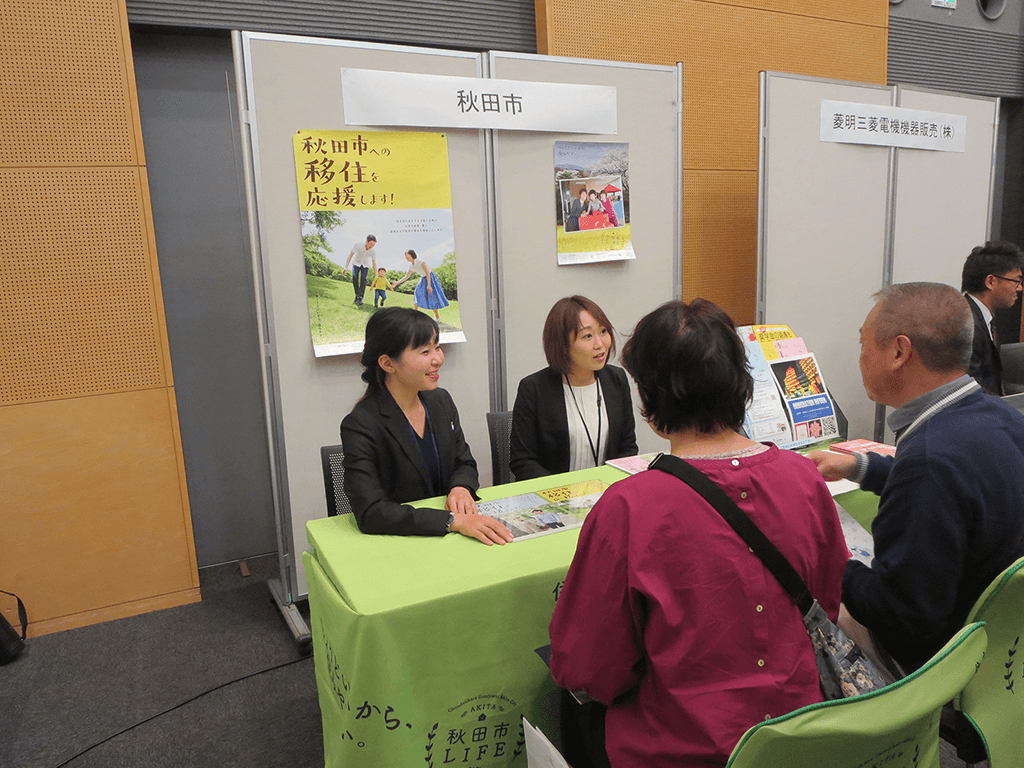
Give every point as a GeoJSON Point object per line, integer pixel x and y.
{"type": "Point", "coordinates": [995, 337]}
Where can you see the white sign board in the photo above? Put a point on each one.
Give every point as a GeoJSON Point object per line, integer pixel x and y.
{"type": "Point", "coordinates": [850, 123]}
{"type": "Point", "coordinates": [376, 98]}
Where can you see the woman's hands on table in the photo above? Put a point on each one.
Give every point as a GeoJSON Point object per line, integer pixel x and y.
{"type": "Point", "coordinates": [469, 523]}
{"type": "Point", "coordinates": [460, 501]}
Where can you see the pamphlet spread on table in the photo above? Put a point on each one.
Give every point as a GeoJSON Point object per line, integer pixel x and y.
{"type": "Point", "coordinates": [538, 514]}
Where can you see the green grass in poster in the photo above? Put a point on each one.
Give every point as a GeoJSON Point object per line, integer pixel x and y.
{"type": "Point", "coordinates": [334, 317]}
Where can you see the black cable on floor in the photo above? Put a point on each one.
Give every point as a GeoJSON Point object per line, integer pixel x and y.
{"type": "Point", "coordinates": [182, 704]}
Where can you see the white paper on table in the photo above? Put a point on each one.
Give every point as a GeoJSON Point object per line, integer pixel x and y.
{"type": "Point", "coordinates": [858, 540]}
{"type": "Point", "coordinates": [541, 753]}
{"type": "Point", "coordinates": [837, 487]}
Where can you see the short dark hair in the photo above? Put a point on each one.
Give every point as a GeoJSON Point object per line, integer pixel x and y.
{"type": "Point", "coordinates": [996, 257]}
{"type": "Point", "coordinates": [390, 332]}
{"type": "Point", "coordinates": [690, 368]}
{"type": "Point", "coordinates": [935, 317]}
{"type": "Point", "coordinates": [563, 323]}
{"type": "Point", "coordinates": [371, 237]}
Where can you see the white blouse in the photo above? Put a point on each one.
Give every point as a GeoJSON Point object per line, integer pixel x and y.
{"type": "Point", "coordinates": [585, 413]}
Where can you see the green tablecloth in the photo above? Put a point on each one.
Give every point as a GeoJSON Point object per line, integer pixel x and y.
{"type": "Point", "coordinates": [425, 646]}
{"type": "Point", "coordinates": [862, 506]}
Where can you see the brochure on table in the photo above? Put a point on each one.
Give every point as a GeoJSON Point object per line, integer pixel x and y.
{"type": "Point", "coordinates": [537, 514]}
{"type": "Point", "coordinates": [791, 406]}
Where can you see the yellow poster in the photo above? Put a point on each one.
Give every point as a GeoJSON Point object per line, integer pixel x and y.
{"type": "Point", "coordinates": [377, 230]}
{"type": "Point", "coordinates": [767, 335]}
{"type": "Point", "coordinates": [371, 170]}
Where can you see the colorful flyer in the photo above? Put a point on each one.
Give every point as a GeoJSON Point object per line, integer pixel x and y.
{"type": "Point", "coordinates": [765, 419]}
{"type": "Point", "coordinates": [807, 401]}
{"type": "Point", "coordinates": [791, 406]}
{"type": "Point", "coordinates": [592, 202]}
{"type": "Point", "coordinates": [376, 212]}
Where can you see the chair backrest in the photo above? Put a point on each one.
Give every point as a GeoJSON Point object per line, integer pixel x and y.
{"type": "Point", "coordinates": [897, 725]}
{"type": "Point", "coordinates": [1012, 358]}
{"type": "Point", "coordinates": [994, 698]}
{"type": "Point", "coordinates": [332, 457]}
{"type": "Point", "coordinates": [499, 427]}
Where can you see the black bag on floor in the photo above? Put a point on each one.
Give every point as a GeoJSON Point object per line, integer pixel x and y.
{"type": "Point", "coordinates": [10, 643]}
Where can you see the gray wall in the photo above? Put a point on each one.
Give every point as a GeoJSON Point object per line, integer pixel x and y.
{"type": "Point", "coordinates": [190, 130]}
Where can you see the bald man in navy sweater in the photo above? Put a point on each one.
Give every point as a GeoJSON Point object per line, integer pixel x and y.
{"type": "Point", "coordinates": [951, 512]}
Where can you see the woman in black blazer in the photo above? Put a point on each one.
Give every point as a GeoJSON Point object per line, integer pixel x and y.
{"type": "Point", "coordinates": [403, 440]}
{"type": "Point", "coordinates": [577, 412]}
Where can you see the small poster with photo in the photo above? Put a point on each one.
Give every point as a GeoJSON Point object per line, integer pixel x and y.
{"type": "Point", "coordinates": [807, 401]}
{"type": "Point", "coordinates": [592, 202]}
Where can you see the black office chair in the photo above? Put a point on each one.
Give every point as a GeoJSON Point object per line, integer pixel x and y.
{"type": "Point", "coordinates": [499, 427]}
{"type": "Point", "coordinates": [332, 457]}
{"type": "Point", "coordinates": [1012, 357]}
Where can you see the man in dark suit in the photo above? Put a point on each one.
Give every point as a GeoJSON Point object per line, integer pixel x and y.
{"type": "Point", "coordinates": [991, 280]}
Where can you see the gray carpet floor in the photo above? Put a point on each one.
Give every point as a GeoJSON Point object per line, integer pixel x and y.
{"type": "Point", "coordinates": [186, 686]}
{"type": "Point", "coordinates": [114, 694]}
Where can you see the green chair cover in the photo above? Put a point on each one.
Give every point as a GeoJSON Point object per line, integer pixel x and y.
{"type": "Point", "coordinates": [994, 698]}
{"type": "Point", "coordinates": [895, 726]}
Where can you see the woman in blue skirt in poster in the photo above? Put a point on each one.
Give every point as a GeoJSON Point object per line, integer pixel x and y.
{"type": "Point", "coordinates": [428, 293]}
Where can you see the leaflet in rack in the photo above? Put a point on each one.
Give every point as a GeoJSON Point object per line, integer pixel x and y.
{"type": "Point", "coordinates": [791, 406]}
{"type": "Point", "coordinates": [549, 511]}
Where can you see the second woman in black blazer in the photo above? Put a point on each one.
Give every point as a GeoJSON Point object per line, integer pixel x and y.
{"type": "Point", "coordinates": [578, 341]}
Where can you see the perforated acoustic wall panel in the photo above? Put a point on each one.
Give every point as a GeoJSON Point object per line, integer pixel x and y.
{"type": "Point", "coordinates": [723, 47]}
{"type": "Point", "coordinates": [94, 515]}
{"type": "Point", "coordinates": [77, 314]}
{"type": "Point", "coordinates": [66, 97]}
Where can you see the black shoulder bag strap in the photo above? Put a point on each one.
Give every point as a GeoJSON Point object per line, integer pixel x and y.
{"type": "Point", "coordinates": [774, 560]}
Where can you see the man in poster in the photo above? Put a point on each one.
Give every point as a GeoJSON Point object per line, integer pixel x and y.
{"type": "Point", "coordinates": [364, 258]}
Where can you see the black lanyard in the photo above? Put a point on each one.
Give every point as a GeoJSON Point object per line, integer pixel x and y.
{"type": "Point", "coordinates": [593, 450]}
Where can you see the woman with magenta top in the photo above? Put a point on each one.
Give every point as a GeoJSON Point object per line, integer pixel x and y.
{"type": "Point", "coordinates": [666, 615]}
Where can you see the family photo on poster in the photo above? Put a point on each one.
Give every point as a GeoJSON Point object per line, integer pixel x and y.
{"type": "Point", "coordinates": [592, 202]}
{"type": "Point", "coordinates": [377, 231]}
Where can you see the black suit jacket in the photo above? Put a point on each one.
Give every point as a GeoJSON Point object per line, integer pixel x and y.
{"type": "Point", "coordinates": [384, 468]}
{"type": "Point", "coordinates": [540, 427]}
{"type": "Point", "coordinates": [986, 368]}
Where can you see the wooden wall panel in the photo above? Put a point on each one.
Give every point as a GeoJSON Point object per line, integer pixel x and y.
{"type": "Point", "coordinates": [720, 243]}
{"type": "Point", "coordinates": [76, 285]}
{"type": "Point", "coordinates": [68, 98]}
{"type": "Point", "coordinates": [723, 47]}
{"type": "Point", "coordinates": [94, 513]}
